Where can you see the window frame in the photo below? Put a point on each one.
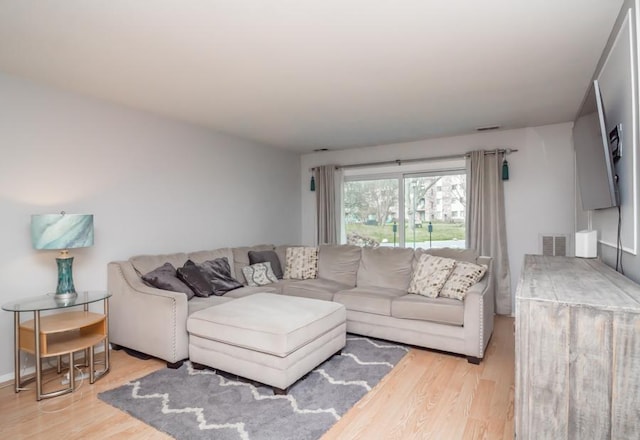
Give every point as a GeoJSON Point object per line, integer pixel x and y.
{"type": "Point", "coordinates": [429, 169]}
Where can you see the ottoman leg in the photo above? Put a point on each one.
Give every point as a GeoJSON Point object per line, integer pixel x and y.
{"type": "Point", "coordinates": [280, 391]}
{"type": "Point", "coordinates": [197, 366]}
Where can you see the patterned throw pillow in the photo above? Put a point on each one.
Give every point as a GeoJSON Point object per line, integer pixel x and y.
{"type": "Point", "coordinates": [301, 263]}
{"type": "Point", "coordinates": [464, 275]}
{"type": "Point", "coordinates": [430, 275]}
{"type": "Point", "coordinates": [259, 274]}
{"type": "Point", "coordinates": [267, 256]}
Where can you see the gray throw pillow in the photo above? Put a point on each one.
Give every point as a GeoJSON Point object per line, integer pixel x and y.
{"type": "Point", "coordinates": [267, 257]}
{"type": "Point", "coordinates": [165, 278]}
{"type": "Point", "coordinates": [193, 276]}
{"type": "Point", "coordinates": [218, 274]}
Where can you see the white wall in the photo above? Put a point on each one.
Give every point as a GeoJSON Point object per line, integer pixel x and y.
{"type": "Point", "coordinates": [154, 185]}
{"type": "Point", "coordinates": [539, 197]}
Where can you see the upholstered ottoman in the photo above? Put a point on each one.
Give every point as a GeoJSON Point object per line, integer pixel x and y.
{"type": "Point", "coordinates": [272, 339]}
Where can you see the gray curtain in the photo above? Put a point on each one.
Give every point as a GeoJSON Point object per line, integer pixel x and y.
{"type": "Point", "coordinates": [327, 207]}
{"type": "Point", "coordinates": [486, 229]}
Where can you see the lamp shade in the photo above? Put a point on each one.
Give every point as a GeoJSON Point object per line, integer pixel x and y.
{"type": "Point", "coordinates": [61, 231]}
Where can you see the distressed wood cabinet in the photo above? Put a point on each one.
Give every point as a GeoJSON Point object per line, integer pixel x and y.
{"type": "Point", "coordinates": [577, 351]}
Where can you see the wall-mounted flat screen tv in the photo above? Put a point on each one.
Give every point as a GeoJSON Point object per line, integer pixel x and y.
{"type": "Point", "coordinates": [595, 169]}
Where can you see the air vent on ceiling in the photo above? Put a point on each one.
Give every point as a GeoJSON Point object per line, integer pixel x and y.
{"type": "Point", "coordinates": [488, 128]}
{"type": "Point", "coordinates": [554, 244]}
{"type": "Point", "coordinates": [317, 150]}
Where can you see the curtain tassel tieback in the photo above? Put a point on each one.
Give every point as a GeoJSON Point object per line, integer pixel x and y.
{"type": "Point", "coordinates": [505, 170]}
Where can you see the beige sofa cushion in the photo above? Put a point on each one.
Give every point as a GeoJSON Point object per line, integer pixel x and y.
{"type": "Point", "coordinates": [385, 267]}
{"type": "Point", "coordinates": [430, 275]}
{"type": "Point", "coordinates": [267, 323]}
{"type": "Point", "coordinates": [319, 288]}
{"type": "Point", "coordinates": [202, 256]}
{"type": "Point", "coordinates": [443, 310]}
{"type": "Point", "coordinates": [146, 263]}
{"type": "Point", "coordinates": [369, 299]}
{"type": "Point", "coordinates": [470, 255]}
{"type": "Point", "coordinates": [241, 258]}
{"type": "Point", "coordinates": [339, 263]}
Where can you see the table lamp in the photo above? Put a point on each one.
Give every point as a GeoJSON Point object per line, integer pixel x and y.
{"type": "Point", "coordinates": [62, 232]}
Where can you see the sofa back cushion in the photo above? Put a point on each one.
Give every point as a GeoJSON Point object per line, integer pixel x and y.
{"type": "Point", "coordinates": [385, 267]}
{"type": "Point", "coordinates": [469, 255]}
{"type": "Point", "coordinates": [241, 258]}
{"type": "Point", "coordinates": [202, 256]}
{"type": "Point", "coordinates": [281, 252]}
{"type": "Point", "coordinates": [146, 263]}
{"type": "Point", "coordinates": [339, 263]}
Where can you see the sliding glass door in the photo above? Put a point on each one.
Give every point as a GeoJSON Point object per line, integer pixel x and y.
{"type": "Point", "coordinates": [406, 210]}
{"type": "Point", "coordinates": [370, 211]}
{"type": "Point", "coordinates": [434, 206]}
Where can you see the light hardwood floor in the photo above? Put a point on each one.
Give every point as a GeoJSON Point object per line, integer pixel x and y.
{"type": "Point", "coordinates": [428, 395]}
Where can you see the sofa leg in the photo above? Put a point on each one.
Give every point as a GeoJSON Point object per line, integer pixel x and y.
{"type": "Point", "coordinates": [136, 354]}
{"type": "Point", "coordinates": [197, 366]}
{"type": "Point", "coordinates": [174, 365]}
{"type": "Point", "coordinates": [474, 360]}
{"type": "Point", "coordinates": [116, 347]}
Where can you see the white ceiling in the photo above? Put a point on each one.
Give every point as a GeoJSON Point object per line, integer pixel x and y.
{"type": "Point", "coordinates": [306, 74]}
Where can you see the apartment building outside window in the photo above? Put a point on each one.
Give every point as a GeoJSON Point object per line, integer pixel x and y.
{"type": "Point", "coordinates": [403, 210]}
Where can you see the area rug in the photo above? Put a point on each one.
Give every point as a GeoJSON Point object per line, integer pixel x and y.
{"type": "Point", "coordinates": [205, 404]}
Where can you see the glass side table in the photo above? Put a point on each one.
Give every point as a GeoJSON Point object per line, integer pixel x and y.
{"type": "Point", "coordinates": [59, 334]}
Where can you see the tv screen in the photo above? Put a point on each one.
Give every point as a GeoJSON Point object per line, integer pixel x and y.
{"type": "Point", "coordinates": [594, 161]}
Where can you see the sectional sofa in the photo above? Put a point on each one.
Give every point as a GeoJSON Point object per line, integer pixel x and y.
{"type": "Point", "coordinates": [372, 283]}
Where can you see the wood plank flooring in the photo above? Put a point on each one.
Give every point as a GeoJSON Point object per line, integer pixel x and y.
{"type": "Point", "coordinates": [429, 395]}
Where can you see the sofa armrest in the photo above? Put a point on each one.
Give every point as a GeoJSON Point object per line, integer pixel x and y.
{"type": "Point", "coordinates": [146, 319]}
{"type": "Point", "coordinates": [478, 313]}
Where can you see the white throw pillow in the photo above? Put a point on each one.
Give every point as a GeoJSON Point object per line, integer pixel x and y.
{"type": "Point", "coordinates": [464, 275]}
{"type": "Point", "coordinates": [301, 263]}
{"type": "Point", "coordinates": [259, 274]}
{"type": "Point", "coordinates": [430, 275]}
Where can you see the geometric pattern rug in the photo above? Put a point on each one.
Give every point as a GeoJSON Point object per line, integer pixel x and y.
{"type": "Point", "coordinates": [204, 404]}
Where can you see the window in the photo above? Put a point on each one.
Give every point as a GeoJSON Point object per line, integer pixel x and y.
{"type": "Point", "coordinates": [403, 210]}
{"type": "Point", "coordinates": [370, 207]}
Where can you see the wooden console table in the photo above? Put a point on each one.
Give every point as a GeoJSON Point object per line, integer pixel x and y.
{"type": "Point", "coordinates": [60, 334]}
{"type": "Point", "coordinates": [577, 351]}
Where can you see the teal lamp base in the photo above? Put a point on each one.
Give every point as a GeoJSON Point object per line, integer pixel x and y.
{"type": "Point", "coordinates": [65, 287]}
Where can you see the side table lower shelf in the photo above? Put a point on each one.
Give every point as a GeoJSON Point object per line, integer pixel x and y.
{"type": "Point", "coordinates": [59, 335]}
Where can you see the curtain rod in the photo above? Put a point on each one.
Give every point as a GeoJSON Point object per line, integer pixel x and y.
{"type": "Point", "coordinates": [425, 159]}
